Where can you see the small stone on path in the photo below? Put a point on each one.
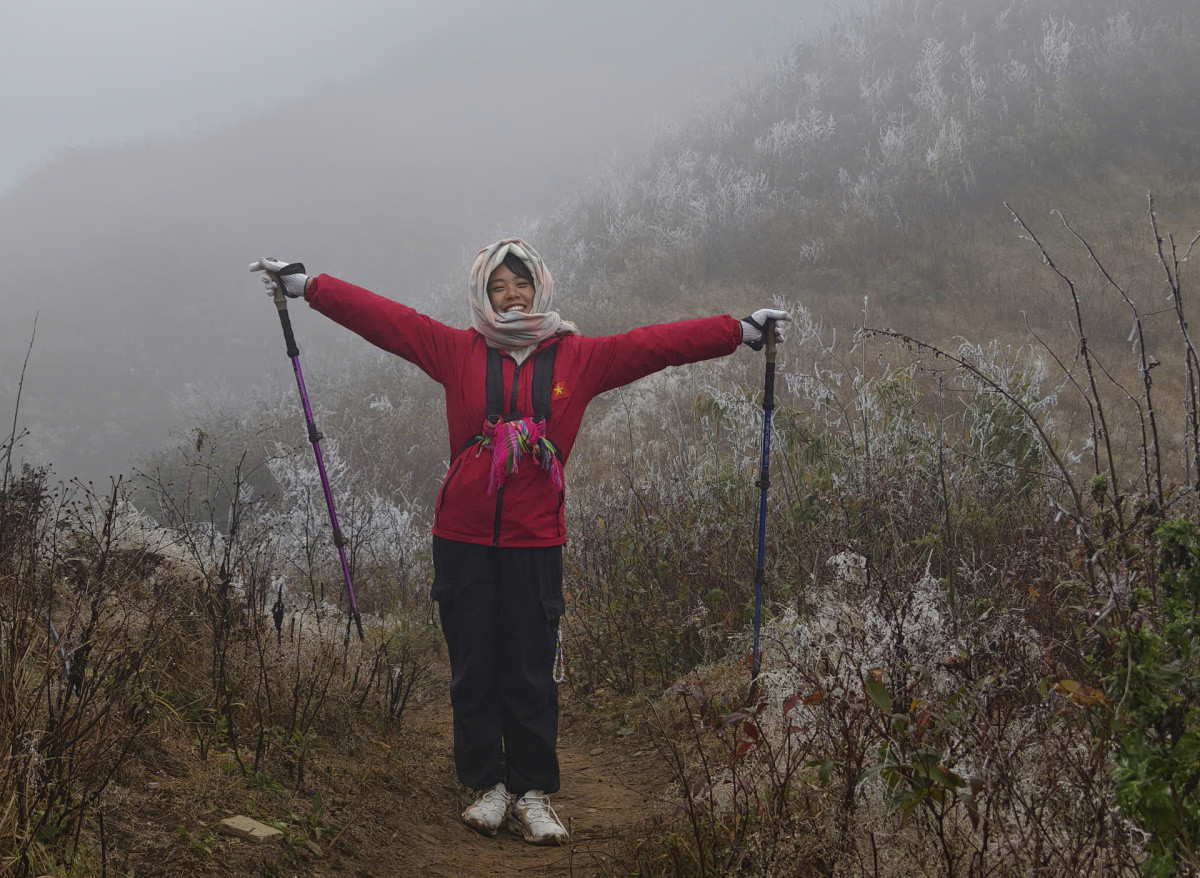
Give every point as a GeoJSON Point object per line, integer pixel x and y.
{"type": "Point", "coordinates": [595, 751]}
{"type": "Point", "coordinates": [250, 830]}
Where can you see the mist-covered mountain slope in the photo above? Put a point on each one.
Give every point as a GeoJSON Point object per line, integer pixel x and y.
{"type": "Point", "coordinates": [904, 116]}
{"type": "Point", "coordinates": [871, 163]}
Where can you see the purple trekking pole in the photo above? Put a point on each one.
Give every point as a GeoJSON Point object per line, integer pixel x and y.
{"type": "Point", "coordinates": [314, 435]}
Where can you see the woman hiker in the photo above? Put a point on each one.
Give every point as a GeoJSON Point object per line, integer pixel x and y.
{"type": "Point", "coordinates": [516, 384]}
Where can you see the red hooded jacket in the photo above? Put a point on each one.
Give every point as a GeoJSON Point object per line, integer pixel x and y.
{"type": "Point", "coordinates": [529, 510]}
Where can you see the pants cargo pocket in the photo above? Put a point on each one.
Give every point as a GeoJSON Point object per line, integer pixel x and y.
{"type": "Point", "coordinates": [441, 591]}
{"type": "Point", "coordinates": [554, 608]}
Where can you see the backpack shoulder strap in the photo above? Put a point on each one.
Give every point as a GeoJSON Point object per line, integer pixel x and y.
{"type": "Point", "coordinates": [495, 386]}
{"type": "Point", "coordinates": [543, 380]}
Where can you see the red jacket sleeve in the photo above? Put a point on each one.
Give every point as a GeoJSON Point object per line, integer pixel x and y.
{"type": "Point", "coordinates": [615, 360]}
{"type": "Point", "coordinates": [396, 328]}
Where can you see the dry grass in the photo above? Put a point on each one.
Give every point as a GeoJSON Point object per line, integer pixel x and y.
{"type": "Point", "coordinates": [124, 666]}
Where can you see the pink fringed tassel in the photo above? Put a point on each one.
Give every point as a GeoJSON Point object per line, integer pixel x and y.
{"type": "Point", "coordinates": [544, 453]}
{"type": "Point", "coordinates": [509, 440]}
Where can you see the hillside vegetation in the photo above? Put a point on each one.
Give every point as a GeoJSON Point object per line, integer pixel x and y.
{"type": "Point", "coordinates": [983, 560]}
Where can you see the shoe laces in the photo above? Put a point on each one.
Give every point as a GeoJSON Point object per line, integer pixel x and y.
{"type": "Point", "coordinates": [497, 795]}
{"type": "Point", "coordinates": [537, 807]}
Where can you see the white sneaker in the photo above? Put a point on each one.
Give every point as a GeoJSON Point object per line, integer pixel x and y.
{"type": "Point", "coordinates": [488, 810]}
{"type": "Point", "coordinates": [532, 818]}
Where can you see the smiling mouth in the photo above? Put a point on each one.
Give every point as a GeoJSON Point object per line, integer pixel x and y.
{"type": "Point", "coordinates": [514, 309]}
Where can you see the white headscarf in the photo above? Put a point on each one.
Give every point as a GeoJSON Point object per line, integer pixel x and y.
{"type": "Point", "coordinates": [516, 333]}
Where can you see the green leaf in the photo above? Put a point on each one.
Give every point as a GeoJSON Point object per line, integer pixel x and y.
{"type": "Point", "coordinates": [944, 777]}
{"type": "Point", "coordinates": [878, 694]}
{"type": "Point", "coordinates": [825, 771]}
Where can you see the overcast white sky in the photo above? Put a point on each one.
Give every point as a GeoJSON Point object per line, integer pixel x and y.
{"type": "Point", "coordinates": [84, 74]}
{"type": "Point", "coordinates": [381, 141]}
{"type": "Point", "coordinates": [79, 75]}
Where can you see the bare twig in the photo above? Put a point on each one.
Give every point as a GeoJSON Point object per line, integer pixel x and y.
{"type": "Point", "coordinates": [12, 436]}
{"type": "Point", "coordinates": [1144, 369]}
{"type": "Point", "coordinates": [1100, 424]}
{"type": "Point", "coordinates": [1191, 362]}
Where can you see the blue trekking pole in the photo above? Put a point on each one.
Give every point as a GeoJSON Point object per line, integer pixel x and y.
{"type": "Point", "coordinates": [762, 483]}
{"type": "Point", "coordinates": [314, 435]}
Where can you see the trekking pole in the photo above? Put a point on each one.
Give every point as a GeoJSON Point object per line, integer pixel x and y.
{"type": "Point", "coordinates": [762, 483]}
{"type": "Point", "coordinates": [314, 436]}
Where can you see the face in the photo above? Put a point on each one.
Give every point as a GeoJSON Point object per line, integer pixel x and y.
{"type": "Point", "coordinates": [509, 291]}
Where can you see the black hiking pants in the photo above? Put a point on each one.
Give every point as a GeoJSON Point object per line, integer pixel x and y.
{"type": "Point", "coordinates": [499, 609]}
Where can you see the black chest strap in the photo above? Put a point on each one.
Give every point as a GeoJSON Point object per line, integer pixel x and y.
{"type": "Point", "coordinates": [542, 388]}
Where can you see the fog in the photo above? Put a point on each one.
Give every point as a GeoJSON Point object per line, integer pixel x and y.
{"type": "Point", "coordinates": [153, 150]}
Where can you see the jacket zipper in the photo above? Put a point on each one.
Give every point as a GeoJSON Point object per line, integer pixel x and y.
{"type": "Point", "coordinates": [446, 484]}
{"type": "Point", "coordinates": [500, 492]}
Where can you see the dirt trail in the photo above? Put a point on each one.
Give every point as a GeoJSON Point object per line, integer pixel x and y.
{"type": "Point", "coordinates": [608, 789]}
{"type": "Point", "coordinates": [389, 805]}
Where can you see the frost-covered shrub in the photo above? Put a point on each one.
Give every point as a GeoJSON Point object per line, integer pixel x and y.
{"type": "Point", "coordinates": [383, 539]}
{"type": "Point", "coordinates": [933, 698]}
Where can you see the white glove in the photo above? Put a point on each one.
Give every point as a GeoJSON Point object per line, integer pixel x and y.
{"type": "Point", "coordinates": [752, 326]}
{"type": "Point", "coordinates": [290, 274]}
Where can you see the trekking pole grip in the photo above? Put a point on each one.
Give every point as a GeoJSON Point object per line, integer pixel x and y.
{"type": "Point", "coordinates": [769, 390]}
{"type": "Point", "coordinates": [289, 337]}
